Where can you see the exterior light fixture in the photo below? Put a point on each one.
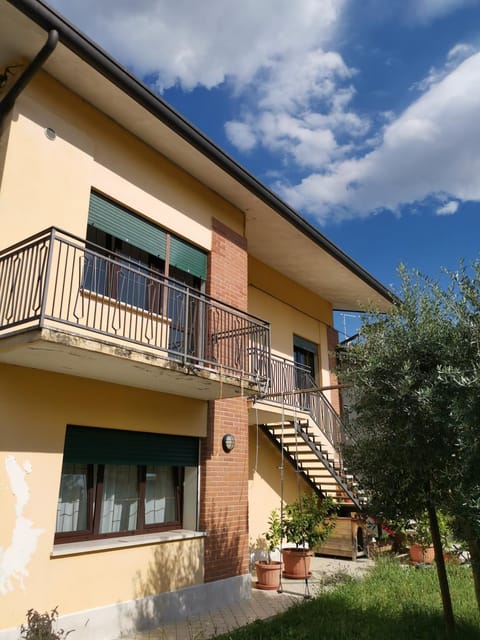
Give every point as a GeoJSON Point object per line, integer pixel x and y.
{"type": "Point", "coordinates": [228, 442]}
{"type": "Point", "coordinates": [50, 133]}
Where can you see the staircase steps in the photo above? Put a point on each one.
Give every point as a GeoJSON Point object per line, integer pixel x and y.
{"type": "Point", "coordinates": [306, 450]}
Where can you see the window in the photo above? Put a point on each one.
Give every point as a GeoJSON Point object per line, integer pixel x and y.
{"type": "Point", "coordinates": [120, 482]}
{"type": "Point", "coordinates": [121, 231]}
{"type": "Point", "coordinates": [125, 275]}
{"type": "Point", "coordinates": [137, 254]}
{"type": "Point", "coordinates": [305, 357]}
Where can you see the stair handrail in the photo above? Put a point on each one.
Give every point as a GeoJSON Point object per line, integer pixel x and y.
{"type": "Point", "coordinates": [288, 378]}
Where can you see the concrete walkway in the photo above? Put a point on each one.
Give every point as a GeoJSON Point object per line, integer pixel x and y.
{"type": "Point", "coordinates": [261, 604]}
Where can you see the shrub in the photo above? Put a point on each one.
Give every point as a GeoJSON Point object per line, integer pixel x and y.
{"type": "Point", "coordinates": [309, 520]}
{"type": "Point", "coordinates": [41, 626]}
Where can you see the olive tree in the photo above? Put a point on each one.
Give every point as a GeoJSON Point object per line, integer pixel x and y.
{"type": "Point", "coordinates": [461, 377]}
{"type": "Point", "coordinates": [401, 440]}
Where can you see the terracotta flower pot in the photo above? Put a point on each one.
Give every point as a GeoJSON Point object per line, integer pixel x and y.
{"type": "Point", "coordinates": [421, 554]}
{"type": "Point", "coordinates": [297, 563]}
{"type": "Point", "coordinates": [268, 574]}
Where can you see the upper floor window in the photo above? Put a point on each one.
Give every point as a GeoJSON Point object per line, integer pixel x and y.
{"type": "Point", "coordinates": [129, 264]}
{"type": "Point", "coordinates": [305, 355]}
{"type": "Point", "coordinates": [147, 245]}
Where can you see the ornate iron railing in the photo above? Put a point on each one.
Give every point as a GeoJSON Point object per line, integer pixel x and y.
{"type": "Point", "coordinates": [286, 383]}
{"type": "Point", "coordinates": [54, 278]}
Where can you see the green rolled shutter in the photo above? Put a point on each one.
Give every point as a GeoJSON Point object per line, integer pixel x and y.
{"type": "Point", "coordinates": [304, 344]}
{"type": "Point", "coordinates": [127, 226]}
{"type": "Point", "coordinates": [92, 445]}
{"type": "Point", "coordinates": [188, 258]}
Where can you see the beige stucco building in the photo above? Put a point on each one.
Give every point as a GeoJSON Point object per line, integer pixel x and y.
{"type": "Point", "coordinates": [153, 304]}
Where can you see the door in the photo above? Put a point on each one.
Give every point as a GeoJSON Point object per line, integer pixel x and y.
{"type": "Point", "coordinates": [305, 356]}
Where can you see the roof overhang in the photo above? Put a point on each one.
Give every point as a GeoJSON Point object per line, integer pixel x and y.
{"type": "Point", "coordinates": [276, 234]}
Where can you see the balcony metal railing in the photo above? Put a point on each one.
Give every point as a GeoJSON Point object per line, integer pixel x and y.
{"type": "Point", "coordinates": [288, 377]}
{"type": "Point", "coordinates": [54, 279]}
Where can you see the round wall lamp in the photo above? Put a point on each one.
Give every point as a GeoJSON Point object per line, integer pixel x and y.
{"type": "Point", "coordinates": [228, 442]}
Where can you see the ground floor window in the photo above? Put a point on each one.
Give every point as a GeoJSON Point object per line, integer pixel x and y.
{"type": "Point", "coordinates": [120, 482]}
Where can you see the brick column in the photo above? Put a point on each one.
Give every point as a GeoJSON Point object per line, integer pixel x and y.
{"type": "Point", "coordinates": [224, 476]}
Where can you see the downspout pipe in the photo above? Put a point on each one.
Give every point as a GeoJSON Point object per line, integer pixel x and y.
{"type": "Point", "coordinates": [9, 99]}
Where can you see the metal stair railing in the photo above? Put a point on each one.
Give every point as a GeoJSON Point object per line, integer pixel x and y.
{"type": "Point", "coordinates": [319, 454]}
{"type": "Point", "coordinates": [287, 377]}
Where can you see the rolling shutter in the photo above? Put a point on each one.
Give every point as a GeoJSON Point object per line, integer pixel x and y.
{"type": "Point", "coordinates": [188, 258]}
{"type": "Point", "coordinates": [125, 225]}
{"type": "Point", "coordinates": [92, 445]}
{"type": "Point", "coordinates": [121, 223]}
{"type": "Point", "coordinates": [304, 344]}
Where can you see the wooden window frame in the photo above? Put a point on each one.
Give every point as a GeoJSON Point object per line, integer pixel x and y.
{"type": "Point", "coordinates": [94, 502]}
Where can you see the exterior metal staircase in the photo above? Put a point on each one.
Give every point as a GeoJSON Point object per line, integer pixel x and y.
{"type": "Point", "coordinates": [311, 442]}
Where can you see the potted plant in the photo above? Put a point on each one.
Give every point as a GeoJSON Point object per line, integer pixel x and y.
{"type": "Point", "coordinates": [268, 571]}
{"type": "Point", "coordinates": [421, 545]}
{"type": "Point", "coordinates": [307, 523]}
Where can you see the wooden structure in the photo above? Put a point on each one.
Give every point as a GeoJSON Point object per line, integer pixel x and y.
{"type": "Point", "coordinates": [349, 539]}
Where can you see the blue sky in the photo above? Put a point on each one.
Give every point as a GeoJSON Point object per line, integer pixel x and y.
{"type": "Point", "coordinates": [362, 114]}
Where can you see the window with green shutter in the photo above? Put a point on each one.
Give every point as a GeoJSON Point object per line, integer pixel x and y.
{"type": "Point", "coordinates": [123, 224]}
{"type": "Point", "coordinates": [188, 258]}
{"type": "Point", "coordinates": [117, 482]}
{"type": "Point", "coordinates": [305, 355]}
{"type": "Point", "coordinates": [120, 224]}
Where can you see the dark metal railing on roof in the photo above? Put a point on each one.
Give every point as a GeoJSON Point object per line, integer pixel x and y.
{"type": "Point", "coordinates": [54, 280]}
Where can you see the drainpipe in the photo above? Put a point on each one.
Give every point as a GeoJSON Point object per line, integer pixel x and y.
{"type": "Point", "coordinates": [9, 99]}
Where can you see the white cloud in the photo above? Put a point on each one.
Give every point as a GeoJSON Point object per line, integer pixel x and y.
{"type": "Point", "coordinates": [309, 146]}
{"type": "Point", "coordinates": [448, 208]}
{"type": "Point", "coordinates": [300, 107]}
{"type": "Point", "coordinates": [294, 81]}
{"type": "Point", "coordinates": [432, 149]}
{"type": "Point", "coordinates": [455, 56]}
{"type": "Point", "coordinates": [295, 93]}
{"type": "Point", "coordinates": [205, 43]}
{"type": "Point", "coordinates": [241, 135]}
{"type": "Point", "coordinates": [427, 10]}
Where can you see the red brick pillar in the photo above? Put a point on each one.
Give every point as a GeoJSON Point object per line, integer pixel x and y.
{"type": "Point", "coordinates": [332, 343]}
{"type": "Point", "coordinates": [224, 476]}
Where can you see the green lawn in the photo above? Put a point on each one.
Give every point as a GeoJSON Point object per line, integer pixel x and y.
{"type": "Point", "coordinates": [393, 602]}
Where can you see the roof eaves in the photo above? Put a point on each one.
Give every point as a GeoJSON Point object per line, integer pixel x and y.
{"type": "Point", "coordinates": [95, 56]}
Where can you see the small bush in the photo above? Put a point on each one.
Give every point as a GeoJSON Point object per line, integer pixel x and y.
{"type": "Point", "coordinates": [41, 626]}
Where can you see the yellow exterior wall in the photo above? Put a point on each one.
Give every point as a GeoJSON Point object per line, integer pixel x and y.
{"type": "Point", "coordinates": [48, 182]}
{"type": "Point", "coordinates": [35, 408]}
{"type": "Point", "coordinates": [262, 277]}
{"type": "Point", "coordinates": [4, 136]}
{"type": "Point", "coordinates": [291, 310]}
{"type": "Point", "coordinates": [265, 484]}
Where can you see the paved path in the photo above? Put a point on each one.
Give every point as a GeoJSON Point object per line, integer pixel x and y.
{"type": "Point", "coordinates": [261, 604]}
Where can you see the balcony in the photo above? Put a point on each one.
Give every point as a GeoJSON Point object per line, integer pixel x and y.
{"type": "Point", "coordinates": [71, 307]}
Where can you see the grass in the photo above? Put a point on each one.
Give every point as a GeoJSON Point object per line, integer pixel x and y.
{"type": "Point", "coordinates": [393, 602]}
